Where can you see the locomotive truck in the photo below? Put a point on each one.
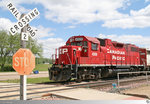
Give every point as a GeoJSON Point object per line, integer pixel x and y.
{"type": "Point", "coordinates": [86, 57]}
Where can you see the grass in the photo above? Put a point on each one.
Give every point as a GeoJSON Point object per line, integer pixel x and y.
{"type": "Point", "coordinates": [30, 80]}
{"type": "Point", "coordinates": [39, 67]}
{"type": "Point", "coordinates": [42, 67]}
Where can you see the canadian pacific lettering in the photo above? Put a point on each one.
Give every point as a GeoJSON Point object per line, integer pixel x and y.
{"type": "Point", "coordinates": [62, 51]}
{"type": "Point", "coordinates": [118, 58]}
{"type": "Point", "coordinates": [116, 52]}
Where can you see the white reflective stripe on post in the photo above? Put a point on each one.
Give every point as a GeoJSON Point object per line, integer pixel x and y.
{"type": "Point", "coordinates": [23, 87]}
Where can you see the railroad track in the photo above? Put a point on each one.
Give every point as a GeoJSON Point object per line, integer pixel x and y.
{"type": "Point", "coordinates": [11, 91]}
{"type": "Point", "coordinates": [33, 90]}
{"type": "Point", "coordinates": [104, 82]}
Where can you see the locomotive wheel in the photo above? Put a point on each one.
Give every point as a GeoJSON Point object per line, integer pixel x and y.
{"type": "Point", "coordinates": [59, 76]}
{"type": "Point", "coordinates": [50, 74]}
{"type": "Point", "coordinates": [79, 78]}
{"type": "Point", "coordinates": [96, 77]}
{"type": "Point", "coordinates": [68, 80]}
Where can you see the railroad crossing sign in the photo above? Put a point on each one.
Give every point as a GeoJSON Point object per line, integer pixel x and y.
{"type": "Point", "coordinates": [23, 21]}
{"type": "Point", "coordinates": [23, 61]}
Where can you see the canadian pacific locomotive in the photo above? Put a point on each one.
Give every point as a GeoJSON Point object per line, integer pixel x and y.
{"type": "Point", "coordinates": [86, 57]}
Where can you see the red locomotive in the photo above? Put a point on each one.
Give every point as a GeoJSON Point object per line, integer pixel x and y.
{"type": "Point", "coordinates": [86, 57]}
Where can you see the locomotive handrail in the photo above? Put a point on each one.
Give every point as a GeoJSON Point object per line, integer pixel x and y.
{"type": "Point", "coordinates": [53, 59]}
{"type": "Point", "coordinates": [69, 60]}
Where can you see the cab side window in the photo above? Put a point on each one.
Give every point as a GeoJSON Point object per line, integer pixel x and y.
{"type": "Point", "coordinates": [94, 46]}
{"type": "Point", "coordinates": [134, 49]}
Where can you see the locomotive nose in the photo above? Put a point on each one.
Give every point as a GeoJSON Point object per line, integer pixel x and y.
{"type": "Point", "coordinates": [64, 55]}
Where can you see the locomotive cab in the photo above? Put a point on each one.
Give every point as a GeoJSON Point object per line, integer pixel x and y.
{"type": "Point", "coordinates": [79, 41]}
{"type": "Point", "coordinates": [71, 55]}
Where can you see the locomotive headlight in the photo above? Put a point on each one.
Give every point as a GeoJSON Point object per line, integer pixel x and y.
{"type": "Point", "coordinates": [79, 49]}
{"type": "Point", "coordinates": [63, 62]}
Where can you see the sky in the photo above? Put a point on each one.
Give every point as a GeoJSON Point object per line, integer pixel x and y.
{"type": "Point", "coordinates": [126, 21]}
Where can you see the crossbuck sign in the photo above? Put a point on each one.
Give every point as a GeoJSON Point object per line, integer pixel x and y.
{"type": "Point", "coordinates": [22, 21]}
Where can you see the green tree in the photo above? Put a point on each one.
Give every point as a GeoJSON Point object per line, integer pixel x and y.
{"type": "Point", "coordinates": [9, 44]}
{"type": "Point", "coordinates": [35, 47]}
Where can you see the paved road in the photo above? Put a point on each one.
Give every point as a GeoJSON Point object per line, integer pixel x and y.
{"type": "Point", "coordinates": [14, 75]}
{"type": "Point", "coordinates": [11, 91]}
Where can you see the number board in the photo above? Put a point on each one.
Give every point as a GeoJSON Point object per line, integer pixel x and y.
{"type": "Point", "coordinates": [24, 36]}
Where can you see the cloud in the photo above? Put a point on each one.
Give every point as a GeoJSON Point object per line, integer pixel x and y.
{"type": "Point", "coordinates": [70, 27]}
{"type": "Point", "coordinates": [43, 32]}
{"type": "Point", "coordinates": [78, 11]}
{"type": "Point", "coordinates": [21, 9]}
{"type": "Point", "coordinates": [139, 40]}
{"type": "Point", "coordinates": [137, 19]}
{"type": "Point", "coordinates": [5, 24]}
{"type": "Point", "coordinates": [44, 36]}
{"type": "Point", "coordinates": [147, 0]}
{"type": "Point", "coordinates": [50, 44]}
{"type": "Point", "coordinates": [17, 4]}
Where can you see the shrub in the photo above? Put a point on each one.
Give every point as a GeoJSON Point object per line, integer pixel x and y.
{"type": "Point", "coordinates": [7, 68]}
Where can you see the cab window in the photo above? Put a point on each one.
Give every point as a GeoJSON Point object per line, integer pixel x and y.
{"type": "Point", "coordinates": [134, 49]}
{"type": "Point", "coordinates": [79, 43]}
{"type": "Point", "coordinates": [85, 43]}
{"type": "Point", "coordinates": [73, 43]}
{"type": "Point", "coordinates": [67, 44]}
{"type": "Point", "coordinates": [94, 46]}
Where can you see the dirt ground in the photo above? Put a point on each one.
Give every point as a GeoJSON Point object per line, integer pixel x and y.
{"type": "Point", "coordinates": [143, 90]}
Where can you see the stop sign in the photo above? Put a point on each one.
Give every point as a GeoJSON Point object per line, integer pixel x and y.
{"type": "Point", "coordinates": [23, 61]}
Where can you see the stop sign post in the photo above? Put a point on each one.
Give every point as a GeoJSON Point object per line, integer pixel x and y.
{"type": "Point", "coordinates": [23, 61]}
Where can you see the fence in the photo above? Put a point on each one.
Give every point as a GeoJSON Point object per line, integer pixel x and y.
{"type": "Point", "coordinates": [118, 79]}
